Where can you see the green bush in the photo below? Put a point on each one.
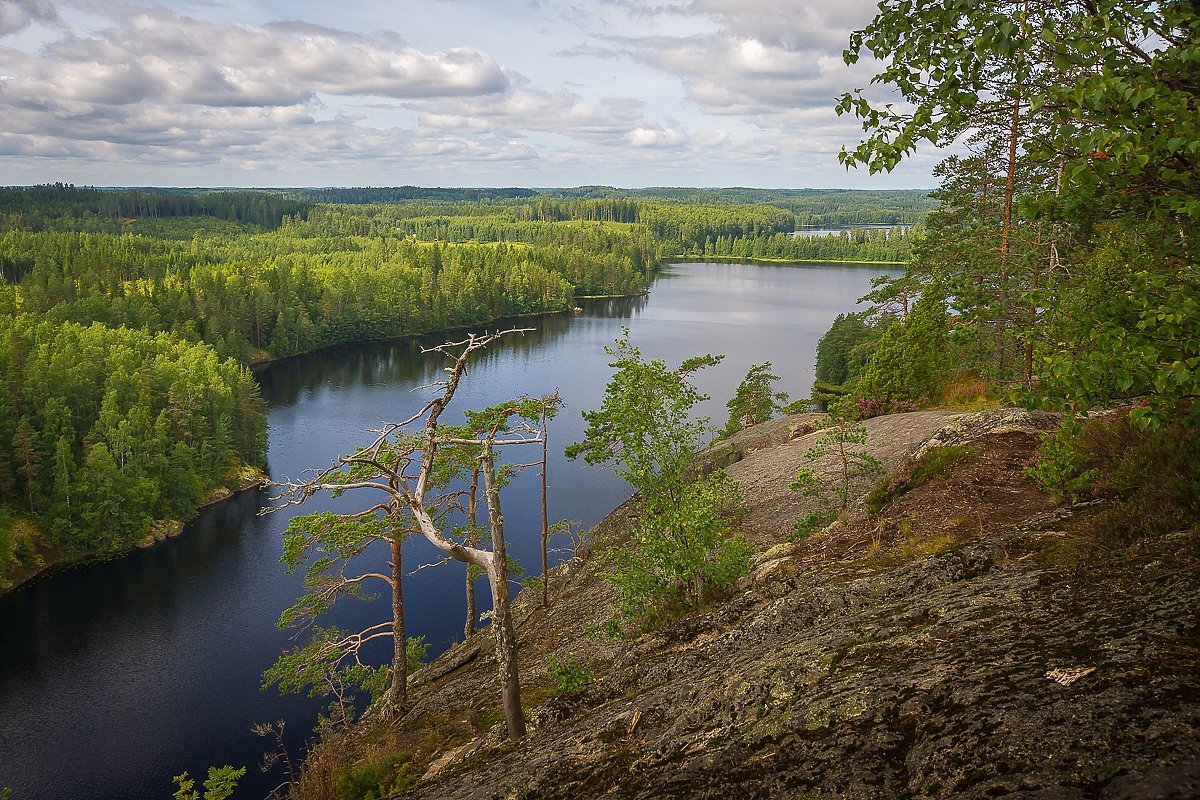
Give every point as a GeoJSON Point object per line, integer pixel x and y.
{"type": "Point", "coordinates": [812, 522]}
{"type": "Point", "coordinates": [568, 674]}
{"type": "Point", "coordinates": [1155, 476]}
{"type": "Point", "coordinates": [378, 778]}
{"type": "Point", "coordinates": [682, 553]}
{"type": "Point", "coordinates": [1060, 466]}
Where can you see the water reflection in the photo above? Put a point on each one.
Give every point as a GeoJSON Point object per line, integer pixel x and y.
{"type": "Point", "coordinates": [401, 361]}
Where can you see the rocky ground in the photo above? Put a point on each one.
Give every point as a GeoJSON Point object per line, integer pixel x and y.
{"type": "Point", "coordinates": [943, 648]}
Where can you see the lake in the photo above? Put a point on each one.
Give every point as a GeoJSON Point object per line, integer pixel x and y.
{"type": "Point", "coordinates": [115, 676]}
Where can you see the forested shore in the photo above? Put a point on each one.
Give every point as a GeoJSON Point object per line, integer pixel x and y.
{"type": "Point", "coordinates": [128, 318]}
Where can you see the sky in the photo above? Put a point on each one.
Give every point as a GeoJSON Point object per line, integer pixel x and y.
{"type": "Point", "coordinates": [533, 93]}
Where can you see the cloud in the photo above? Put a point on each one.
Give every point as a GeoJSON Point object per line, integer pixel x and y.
{"type": "Point", "coordinates": [17, 15]}
{"type": "Point", "coordinates": [159, 87]}
{"type": "Point", "coordinates": [764, 57]}
{"type": "Point", "coordinates": [728, 75]}
{"type": "Point", "coordinates": [188, 60]}
{"type": "Point", "coordinates": [536, 110]}
{"type": "Point", "coordinates": [719, 89]}
{"type": "Point", "coordinates": [788, 24]}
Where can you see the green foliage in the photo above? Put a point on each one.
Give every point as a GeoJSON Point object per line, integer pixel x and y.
{"type": "Point", "coordinates": [754, 401]}
{"type": "Point", "coordinates": [813, 521]}
{"type": "Point", "coordinates": [1060, 465]}
{"type": "Point", "coordinates": [65, 207]}
{"type": "Point", "coordinates": [933, 462]}
{"type": "Point", "coordinates": [113, 428]}
{"type": "Point", "coordinates": [19, 539]}
{"type": "Point", "coordinates": [1132, 328]}
{"type": "Point", "coordinates": [568, 674]}
{"type": "Point", "coordinates": [844, 439]}
{"type": "Point", "coordinates": [1153, 472]}
{"type": "Point", "coordinates": [114, 409]}
{"type": "Point", "coordinates": [416, 648]}
{"type": "Point", "coordinates": [219, 785]}
{"type": "Point", "coordinates": [873, 245]}
{"type": "Point", "coordinates": [1082, 252]}
{"type": "Point", "coordinates": [643, 426]}
{"type": "Point", "coordinates": [1114, 106]}
{"type": "Point", "coordinates": [843, 350]}
{"type": "Point", "coordinates": [379, 777]}
{"type": "Point", "coordinates": [913, 359]}
{"type": "Point", "coordinates": [683, 553]}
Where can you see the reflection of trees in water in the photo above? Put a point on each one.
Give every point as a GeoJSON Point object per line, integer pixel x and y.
{"type": "Point", "coordinates": [400, 361]}
{"type": "Point", "coordinates": [43, 622]}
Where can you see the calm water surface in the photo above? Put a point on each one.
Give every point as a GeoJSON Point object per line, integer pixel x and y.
{"type": "Point", "coordinates": [116, 676]}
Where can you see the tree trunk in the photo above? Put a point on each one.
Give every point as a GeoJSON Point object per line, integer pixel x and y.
{"type": "Point", "coordinates": [506, 638]}
{"type": "Point", "coordinates": [545, 518]}
{"type": "Point", "coordinates": [397, 694]}
{"type": "Point", "coordinates": [1006, 229]}
{"type": "Point", "coordinates": [1050, 270]}
{"type": "Point", "coordinates": [472, 540]}
{"type": "Point", "coordinates": [469, 623]}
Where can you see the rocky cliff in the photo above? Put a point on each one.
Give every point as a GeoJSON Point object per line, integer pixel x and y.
{"type": "Point", "coordinates": [961, 643]}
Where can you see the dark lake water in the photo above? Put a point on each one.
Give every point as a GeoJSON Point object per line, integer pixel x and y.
{"type": "Point", "coordinates": [116, 676]}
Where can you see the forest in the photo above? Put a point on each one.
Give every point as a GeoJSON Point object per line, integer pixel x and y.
{"type": "Point", "coordinates": [1061, 267]}
{"type": "Point", "coordinates": [129, 317]}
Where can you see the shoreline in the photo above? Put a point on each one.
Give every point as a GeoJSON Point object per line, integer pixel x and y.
{"type": "Point", "coordinates": [764, 260]}
{"type": "Point", "coordinates": [257, 364]}
{"type": "Point", "coordinates": [160, 530]}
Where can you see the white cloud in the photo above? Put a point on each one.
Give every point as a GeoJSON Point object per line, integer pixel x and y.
{"type": "Point", "coordinates": [559, 91]}
{"type": "Point", "coordinates": [17, 15]}
{"type": "Point", "coordinates": [182, 59]}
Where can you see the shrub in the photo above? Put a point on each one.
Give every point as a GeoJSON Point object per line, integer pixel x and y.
{"type": "Point", "coordinates": [379, 777]}
{"type": "Point", "coordinates": [812, 522]}
{"type": "Point", "coordinates": [1059, 466]}
{"type": "Point", "coordinates": [683, 555]}
{"type": "Point", "coordinates": [1155, 473]}
{"type": "Point", "coordinates": [568, 674]}
{"type": "Point", "coordinates": [415, 650]}
{"type": "Point", "coordinates": [682, 551]}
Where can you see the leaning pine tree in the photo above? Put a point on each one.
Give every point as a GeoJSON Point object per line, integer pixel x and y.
{"type": "Point", "coordinates": [409, 466]}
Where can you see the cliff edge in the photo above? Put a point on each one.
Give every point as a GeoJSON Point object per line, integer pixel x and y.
{"type": "Point", "coordinates": [967, 641]}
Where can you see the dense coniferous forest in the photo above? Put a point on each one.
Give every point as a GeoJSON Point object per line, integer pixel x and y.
{"type": "Point", "coordinates": [128, 317]}
{"type": "Point", "coordinates": [65, 207]}
{"type": "Point", "coordinates": [109, 429]}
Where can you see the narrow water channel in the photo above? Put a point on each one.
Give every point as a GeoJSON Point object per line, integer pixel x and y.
{"type": "Point", "coordinates": [116, 676]}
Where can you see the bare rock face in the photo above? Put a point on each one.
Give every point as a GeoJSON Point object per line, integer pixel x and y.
{"type": "Point", "coordinates": [930, 680]}
{"type": "Point", "coordinates": [976, 668]}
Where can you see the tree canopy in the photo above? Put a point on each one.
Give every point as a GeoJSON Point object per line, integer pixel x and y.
{"type": "Point", "coordinates": [1067, 237]}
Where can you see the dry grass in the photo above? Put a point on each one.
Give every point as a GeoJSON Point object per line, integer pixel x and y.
{"type": "Point", "coordinates": [967, 392]}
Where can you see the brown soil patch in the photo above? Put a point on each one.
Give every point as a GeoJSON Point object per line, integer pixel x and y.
{"type": "Point", "coordinates": [987, 490]}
